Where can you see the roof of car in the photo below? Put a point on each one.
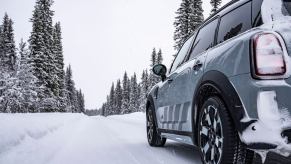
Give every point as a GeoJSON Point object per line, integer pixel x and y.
{"type": "Point", "coordinates": [229, 6]}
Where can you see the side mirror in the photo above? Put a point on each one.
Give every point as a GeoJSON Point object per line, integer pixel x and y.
{"type": "Point", "coordinates": [160, 70]}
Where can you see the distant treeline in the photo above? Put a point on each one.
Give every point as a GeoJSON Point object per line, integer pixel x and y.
{"type": "Point", "coordinates": [127, 95]}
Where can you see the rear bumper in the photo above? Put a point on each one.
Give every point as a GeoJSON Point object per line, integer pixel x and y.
{"type": "Point", "coordinates": [267, 105]}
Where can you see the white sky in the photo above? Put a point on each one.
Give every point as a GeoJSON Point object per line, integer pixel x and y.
{"type": "Point", "coordinates": [103, 38]}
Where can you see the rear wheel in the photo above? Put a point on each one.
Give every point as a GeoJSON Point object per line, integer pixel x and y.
{"type": "Point", "coordinates": [154, 138]}
{"type": "Point", "coordinates": [217, 138]}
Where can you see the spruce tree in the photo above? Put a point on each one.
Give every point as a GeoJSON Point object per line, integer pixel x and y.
{"type": "Point", "coordinates": [215, 4]}
{"type": "Point", "coordinates": [26, 81]}
{"type": "Point", "coordinates": [196, 16]}
{"type": "Point", "coordinates": [7, 48]}
{"type": "Point", "coordinates": [153, 63]}
{"type": "Point", "coordinates": [159, 59]}
{"type": "Point", "coordinates": [71, 94]}
{"type": "Point", "coordinates": [42, 48]}
{"type": "Point", "coordinates": [133, 106]}
{"type": "Point", "coordinates": [9, 91]}
{"type": "Point", "coordinates": [189, 17]}
{"type": "Point", "coordinates": [81, 101]}
{"type": "Point", "coordinates": [125, 94]}
{"type": "Point", "coordinates": [144, 90]}
{"type": "Point", "coordinates": [118, 97]}
{"type": "Point", "coordinates": [112, 101]}
{"type": "Point", "coordinates": [59, 58]}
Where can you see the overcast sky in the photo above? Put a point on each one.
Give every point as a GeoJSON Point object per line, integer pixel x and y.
{"type": "Point", "coordinates": [103, 38]}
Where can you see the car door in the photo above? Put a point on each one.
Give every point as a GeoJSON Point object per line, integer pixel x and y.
{"type": "Point", "coordinates": [183, 79]}
{"type": "Point", "coordinates": [165, 100]}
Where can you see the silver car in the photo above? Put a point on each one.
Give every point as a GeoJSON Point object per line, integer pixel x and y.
{"type": "Point", "coordinates": [228, 91]}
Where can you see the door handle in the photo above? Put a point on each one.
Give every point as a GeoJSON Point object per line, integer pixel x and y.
{"type": "Point", "coordinates": [197, 65]}
{"type": "Point", "coordinates": [170, 80]}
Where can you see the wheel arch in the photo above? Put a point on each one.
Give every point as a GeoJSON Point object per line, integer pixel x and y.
{"type": "Point", "coordinates": [215, 83]}
{"type": "Point", "coordinates": [150, 101]}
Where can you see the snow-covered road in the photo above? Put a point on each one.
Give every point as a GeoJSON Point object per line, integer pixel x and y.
{"type": "Point", "coordinates": [78, 139]}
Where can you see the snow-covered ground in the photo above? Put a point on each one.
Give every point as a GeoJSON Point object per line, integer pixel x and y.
{"type": "Point", "coordinates": [77, 139]}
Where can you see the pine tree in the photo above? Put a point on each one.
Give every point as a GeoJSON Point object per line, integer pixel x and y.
{"type": "Point", "coordinates": [9, 91]}
{"type": "Point", "coordinates": [59, 58]}
{"type": "Point", "coordinates": [7, 48]}
{"type": "Point", "coordinates": [215, 4]}
{"type": "Point", "coordinates": [42, 48]}
{"type": "Point", "coordinates": [112, 101]}
{"type": "Point", "coordinates": [196, 16]}
{"type": "Point", "coordinates": [133, 106]}
{"type": "Point", "coordinates": [118, 97]}
{"type": "Point", "coordinates": [81, 101]}
{"type": "Point", "coordinates": [144, 90]}
{"type": "Point", "coordinates": [26, 81]}
{"type": "Point", "coordinates": [153, 78]}
{"type": "Point", "coordinates": [189, 17]}
{"type": "Point", "coordinates": [70, 91]}
{"type": "Point", "coordinates": [125, 94]}
{"type": "Point", "coordinates": [159, 59]}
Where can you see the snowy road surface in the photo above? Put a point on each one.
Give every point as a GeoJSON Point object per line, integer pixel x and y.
{"type": "Point", "coordinates": [78, 139]}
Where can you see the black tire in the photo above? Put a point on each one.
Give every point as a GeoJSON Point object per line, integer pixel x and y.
{"type": "Point", "coordinates": [217, 138]}
{"type": "Point", "coordinates": [154, 138]}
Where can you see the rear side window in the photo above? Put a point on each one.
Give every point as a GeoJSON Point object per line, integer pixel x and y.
{"type": "Point", "coordinates": [204, 39]}
{"type": "Point", "coordinates": [235, 22]}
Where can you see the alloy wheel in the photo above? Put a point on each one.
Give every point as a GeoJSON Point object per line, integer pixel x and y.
{"type": "Point", "coordinates": [211, 135]}
{"type": "Point", "coordinates": [150, 125]}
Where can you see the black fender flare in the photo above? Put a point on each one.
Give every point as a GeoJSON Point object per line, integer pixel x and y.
{"type": "Point", "coordinates": [150, 101]}
{"type": "Point", "coordinates": [215, 83]}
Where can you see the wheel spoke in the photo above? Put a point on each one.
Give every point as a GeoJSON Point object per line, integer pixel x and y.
{"type": "Point", "coordinates": [212, 153]}
{"type": "Point", "coordinates": [206, 148]}
{"type": "Point", "coordinates": [208, 119]}
{"type": "Point", "coordinates": [204, 131]}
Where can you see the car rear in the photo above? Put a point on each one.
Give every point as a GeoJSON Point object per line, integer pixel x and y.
{"type": "Point", "coordinates": [266, 91]}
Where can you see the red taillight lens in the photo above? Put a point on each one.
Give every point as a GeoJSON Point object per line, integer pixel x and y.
{"type": "Point", "coordinates": [268, 55]}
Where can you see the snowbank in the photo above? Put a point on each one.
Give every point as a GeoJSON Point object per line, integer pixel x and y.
{"type": "Point", "coordinates": [14, 128]}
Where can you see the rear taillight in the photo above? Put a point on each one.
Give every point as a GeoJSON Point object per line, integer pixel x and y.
{"type": "Point", "coordinates": [268, 55]}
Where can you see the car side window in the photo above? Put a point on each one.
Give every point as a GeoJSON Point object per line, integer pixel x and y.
{"type": "Point", "coordinates": [204, 39]}
{"type": "Point", "coordinates": [235, 22]}
{"type": "Point", "coordinates": [182, 54]}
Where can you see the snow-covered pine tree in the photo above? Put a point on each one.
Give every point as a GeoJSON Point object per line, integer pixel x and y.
{"type": "Point", "coordinates": [26, 81]}
{"type": "Point", "coordinates": [189, 17]}
{"type": "Point", "coordinates": [112, 101]}
{"type": "Point", "coordinates": [7, 48]}
{"type": "Point", "coordinates": [81, 101]}
{"type": "Point", "coordinates": [138, 99]}
{"type": "Point", "coordinates": [215, 4]}
{"type": "Point", "coordinates": [59, 58]}
{"type": "Point", "coordinates": [125, 94]}
{"type": "Point", "coordinates": [196, 16]}
{"type": "Point", "coordinates": [118, 97]}
{"type": "Point", "coordinates": [42, 51]}
{"type": "Point", "coordinates": [9, 92]}
{"type": "Point", "coordinates": [152, 77]}
{"type": "Point", "coordinates": [144, 90]}
{"type": "Point", "coordinates": [107, 106]}
{"type": "Point", "coordinates": [159, 60]}
{"type": "Point", "coordinates": [71, 94]}
{"type": "Point", "coordinates": [133, 106]}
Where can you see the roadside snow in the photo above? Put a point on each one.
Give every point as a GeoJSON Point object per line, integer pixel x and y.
{"type": "Point", "coordinates": [75, 138]}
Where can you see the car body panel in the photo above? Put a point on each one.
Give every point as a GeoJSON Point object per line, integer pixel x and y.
{"type": "Point", "coordinates": [228, 66]}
